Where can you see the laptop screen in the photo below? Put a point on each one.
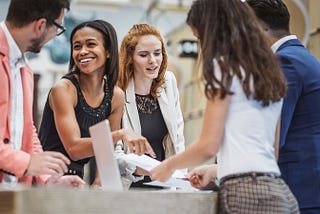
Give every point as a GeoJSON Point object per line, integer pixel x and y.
{"type": "Point", "coordinates": [103, 149]}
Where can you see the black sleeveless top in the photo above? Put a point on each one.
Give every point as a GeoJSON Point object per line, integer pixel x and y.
{"type": "Point", "coordinates": [152, 123]}
{"type": "Point", "coordinates": [86, 117]}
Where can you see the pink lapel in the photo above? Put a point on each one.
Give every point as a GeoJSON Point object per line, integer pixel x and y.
{"type": "Point", "coordinates": [5, 78]}
{"type": "Point", "coordinates": [27, 85]}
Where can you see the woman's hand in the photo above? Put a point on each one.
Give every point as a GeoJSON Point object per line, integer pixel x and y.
{"type": "Point", "coordinates": [137, 144]}
{"type": "Point", "coordinates": [201, 176]}
{"type": "Point", "coordinates": [162, 172]}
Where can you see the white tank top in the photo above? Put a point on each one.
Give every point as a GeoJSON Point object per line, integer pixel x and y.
{"type": "Point", "coordinates": [248, 143]}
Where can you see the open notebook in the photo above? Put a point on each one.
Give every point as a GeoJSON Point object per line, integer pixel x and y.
{"type": "Point", "coordinates": [103, 149]}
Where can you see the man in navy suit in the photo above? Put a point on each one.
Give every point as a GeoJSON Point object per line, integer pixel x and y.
{"type": "Point", "coordinates": [299, 149]}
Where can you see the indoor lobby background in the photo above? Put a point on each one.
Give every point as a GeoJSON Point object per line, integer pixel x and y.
{"type": "Point", "coordinates": [169, 16]}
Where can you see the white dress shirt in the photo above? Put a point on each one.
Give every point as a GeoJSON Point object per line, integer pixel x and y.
{"type": "Point", "coordinates": [278, 43]}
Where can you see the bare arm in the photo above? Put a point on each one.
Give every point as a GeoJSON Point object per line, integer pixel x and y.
{"type": "Point", "coordinates": [277, 140]}
{"type": "Point", "coordinates": [205, 147]}
{"type": "Point", "coordinates": [63, 98]}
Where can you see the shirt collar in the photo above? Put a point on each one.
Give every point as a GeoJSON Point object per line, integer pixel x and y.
{"type": "Point", "coordinates": [16, 57]}
{"type": "Point", "coordinates": [278, 43]}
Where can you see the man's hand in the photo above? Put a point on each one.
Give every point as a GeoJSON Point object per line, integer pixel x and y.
{"type": "Point", "coordinates": [48, 163]}
{"type": "Point", "coordinates": [66, 181]}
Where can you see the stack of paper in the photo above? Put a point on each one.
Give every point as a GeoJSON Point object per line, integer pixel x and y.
{"type": "Point", "coordinates": [147, 163]}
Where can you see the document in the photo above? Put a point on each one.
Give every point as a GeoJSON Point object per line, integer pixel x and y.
{"type": "Point", "coordinates": [173, 182]}
{"type": "Point", "coordinates": [147, 163]}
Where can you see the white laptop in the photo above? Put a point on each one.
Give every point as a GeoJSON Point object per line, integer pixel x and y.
{"type": "Point", "coordinates": [103, 149]}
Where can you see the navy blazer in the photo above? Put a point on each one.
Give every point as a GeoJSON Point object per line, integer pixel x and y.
{"type": "Point", "coordinates": [299, 154]}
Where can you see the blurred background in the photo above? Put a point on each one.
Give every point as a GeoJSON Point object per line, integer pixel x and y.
{"type": "Point", "coordinates": [169, 16]}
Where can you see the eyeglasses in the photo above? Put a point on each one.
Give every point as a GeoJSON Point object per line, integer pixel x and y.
{"type": "Point", "coordinates": [60, 28]}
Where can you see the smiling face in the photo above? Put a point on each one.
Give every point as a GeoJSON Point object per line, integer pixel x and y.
{"type": "Point", "coordinates": [147, 57]}
{"type": "Point", "coordinates": [88, 50]}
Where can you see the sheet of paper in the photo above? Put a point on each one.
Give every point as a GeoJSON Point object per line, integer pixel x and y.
{"type": "Point", "coordinates": [147, 163]}
{"type": "Point", "coordinates": [173, 182]}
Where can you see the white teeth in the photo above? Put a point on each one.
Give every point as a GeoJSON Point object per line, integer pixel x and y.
{"type": "Point", "coordinates": [85, 60]}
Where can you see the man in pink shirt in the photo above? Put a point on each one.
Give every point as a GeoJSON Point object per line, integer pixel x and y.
{"type": "Point", "coordinates": [28, 26]}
